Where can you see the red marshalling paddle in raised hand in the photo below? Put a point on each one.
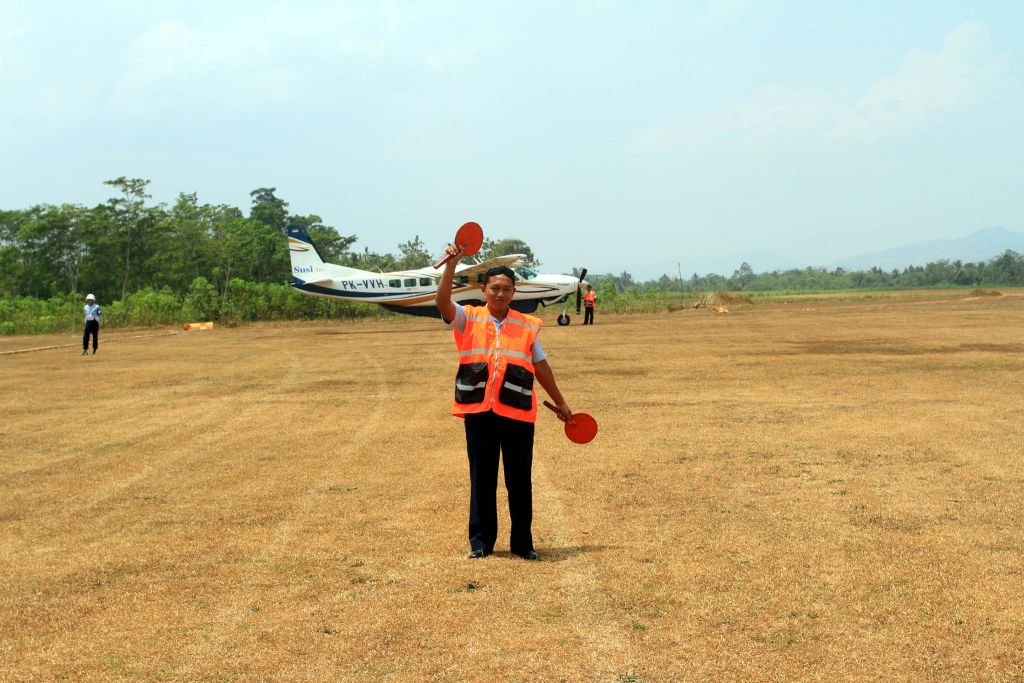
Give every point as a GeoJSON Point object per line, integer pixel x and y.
{"type": "Point", "coordinates": [580, 428]}
{"type": "Point", "coordinates": [470, 237]}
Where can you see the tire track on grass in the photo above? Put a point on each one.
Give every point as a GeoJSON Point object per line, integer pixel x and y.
{"type": "Point", "coordinates": [610, 648]}
{"type": "Point", "coordinates": [190, 442]}
{"type": "Point", "coordinates": [304, 495]}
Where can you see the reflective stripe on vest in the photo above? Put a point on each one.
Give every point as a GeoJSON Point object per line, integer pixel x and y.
{"type": "Point", "coordinates": [496, 369]}
{"type": "Point", "coordinates": [500, 352]}
{"type": "Point", "coordinates": [517, 388]}
{"type": "Point", "coordinates": [508, 319]}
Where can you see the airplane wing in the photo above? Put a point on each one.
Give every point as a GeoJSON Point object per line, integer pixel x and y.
{"type": "Point", "coordinates": [511, 260]}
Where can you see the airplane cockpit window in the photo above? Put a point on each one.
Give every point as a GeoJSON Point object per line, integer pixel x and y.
{"type": "Point", "coordinates": [394, 283]}
{"type": "Point", "coordinates": [526, 273]}
{"type": "Point", "coordinates": [426, 282]}
{"type": "Point", "coordinates": [410, 282]}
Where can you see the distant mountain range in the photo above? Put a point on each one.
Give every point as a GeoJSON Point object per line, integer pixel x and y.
{"type": "Point", "coordinates": [982, 245]}
{"type": "Point", "coordinates": [979, 246]}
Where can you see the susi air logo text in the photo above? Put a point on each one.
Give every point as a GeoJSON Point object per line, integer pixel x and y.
{"type": "Point", "coordinates": [306, 269]}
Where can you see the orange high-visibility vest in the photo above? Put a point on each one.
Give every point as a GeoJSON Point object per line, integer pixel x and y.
{"type": "Point", "coordinates": [496, 371]}
{"type": "Point", "coordinates": [589, 298]}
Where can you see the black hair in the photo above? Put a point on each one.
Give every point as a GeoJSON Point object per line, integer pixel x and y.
{"type": "Point", "coordinates": [500, 270]}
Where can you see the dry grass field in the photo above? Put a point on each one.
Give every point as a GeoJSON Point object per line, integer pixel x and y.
{"type": "Point", "coordinates": [807, 492]}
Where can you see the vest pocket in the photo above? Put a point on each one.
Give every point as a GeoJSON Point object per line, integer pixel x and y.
{"type": "Point", "coordinates": [517, 388]}
{"type": "Point", "coordinates": [471, 382]}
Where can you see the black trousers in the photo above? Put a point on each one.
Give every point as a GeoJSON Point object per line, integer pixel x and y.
{"type": "Point", "coordinates": [588, 316]}
{"type": "Point", "coordinates": [91, 327]}
{"type": "Point", "coordinates": [486, 435]}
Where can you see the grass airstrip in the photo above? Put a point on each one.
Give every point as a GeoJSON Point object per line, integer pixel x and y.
{"type": "Point", "coordinates": [813, 490]}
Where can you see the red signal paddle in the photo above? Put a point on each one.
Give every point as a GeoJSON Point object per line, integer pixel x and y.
{"type": "Point", "coordinates": [581, 428]}
{"type": "Point", "coordinates": [470, 237]}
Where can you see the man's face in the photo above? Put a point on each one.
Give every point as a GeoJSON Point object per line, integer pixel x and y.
{"type": "Point", "coordinates": [499, 291]}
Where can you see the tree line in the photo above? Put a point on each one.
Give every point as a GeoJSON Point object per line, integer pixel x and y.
{"type": "Point", "coordinates": [160, 263]}
{"type": "Point", "coordinates": [1005, 270]}
{"type": "Point", "coordinates": [125, 244]}
{"type": "Point", "coordinates": [157, 263]}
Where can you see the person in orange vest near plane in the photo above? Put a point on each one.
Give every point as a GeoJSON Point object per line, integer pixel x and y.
{"type": "Point", "coordinates": [499, 358]}
{"type": "Point", "coordinates": [589, 299]}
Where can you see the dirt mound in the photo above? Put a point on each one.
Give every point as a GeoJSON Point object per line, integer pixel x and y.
{"type": "Point", "coordinates": [733, 298]}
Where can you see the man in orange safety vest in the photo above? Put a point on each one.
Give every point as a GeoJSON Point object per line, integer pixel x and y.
{"type": "Point", "coordinates": [589, 299]}
{"type": "Point", "coordinates": [499, 358]}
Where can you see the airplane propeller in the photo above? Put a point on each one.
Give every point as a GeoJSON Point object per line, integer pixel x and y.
{"type": "Point", "coordinates": [579, 294]}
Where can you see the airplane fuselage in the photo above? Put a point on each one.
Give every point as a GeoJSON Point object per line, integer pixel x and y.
{"type": "Point", "coordinates": [415, 291]}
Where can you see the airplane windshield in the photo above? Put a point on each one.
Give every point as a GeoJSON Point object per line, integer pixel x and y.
{"type": "Point", "coordinates": [526, 273]}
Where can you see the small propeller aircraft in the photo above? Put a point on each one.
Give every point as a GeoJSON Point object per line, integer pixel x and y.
{"type": "Point", "coordinates": [414, 291]}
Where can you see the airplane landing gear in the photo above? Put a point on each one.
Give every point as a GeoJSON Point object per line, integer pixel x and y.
{"type": "Point", "coordinates": [563, 319]}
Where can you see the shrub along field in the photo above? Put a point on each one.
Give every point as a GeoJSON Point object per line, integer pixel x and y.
{"type": "Point", "coordinates": [243, 302]}
{"type": "Point", "coordinates": [814, 490]}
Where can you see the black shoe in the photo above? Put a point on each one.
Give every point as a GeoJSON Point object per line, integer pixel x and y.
{"type": "Point", "coordinates": [528, 555]}
{"type": "Point", "coordinates": [477, 554]}
{"type": "Point", "coordinates": [85, 351]}
{"type": "Point", "coordinates": [94, 352]}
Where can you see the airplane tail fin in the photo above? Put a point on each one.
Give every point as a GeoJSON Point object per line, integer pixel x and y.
{"type": "Point", "coordinates": [308, 266]}
{"type": "Point", "coordinates": [306, 261]}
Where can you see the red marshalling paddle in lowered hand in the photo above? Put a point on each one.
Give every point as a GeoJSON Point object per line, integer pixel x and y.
{"type": "Point", "coordinates": [581, 428]}
{"type": "Point", "coordinates": [470, 237]}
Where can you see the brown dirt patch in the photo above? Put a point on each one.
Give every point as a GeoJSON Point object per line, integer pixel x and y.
{"type": "Point", "coordinates": [783, 494]}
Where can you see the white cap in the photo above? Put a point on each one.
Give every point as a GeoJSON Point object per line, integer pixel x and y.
{"type": "Point", "coordinates": [90, 297]}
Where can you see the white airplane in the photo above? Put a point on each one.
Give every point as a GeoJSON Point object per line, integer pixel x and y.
{"type": "Point", "coordinates": [414, 291]}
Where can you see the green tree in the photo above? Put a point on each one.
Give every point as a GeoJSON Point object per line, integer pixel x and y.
{"type": "Point", "coordinates": [413, 255]}
{"type": "Point", "coordinates": [742, 277]}
{"type": "Point", "coordinates": [368, 260]}
{"type": "Point", "coordinates": [229, 238]}
{"type": "Point", "coordinates": [1007, 268]}
{"type": "Point", "coordinates": [130, 224]}
{"type": "Point", "coordinates": [8, 258]}
{"type": "Point", "coordinates": [183, 236]}
{"type": "Point", "coordinates": [511, 245]}
{"type": "Point", "coordinates": [268, 209]}
{"type": "Point", "coordinates": [202, 302]}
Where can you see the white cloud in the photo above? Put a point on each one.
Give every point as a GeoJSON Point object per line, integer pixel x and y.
{"type": "Point", "coordinates": [225, 62]}
{"type": "Point", "coordinates": [173, 50]}
{"type": "Point", "coordinates": [926, 85]}
{"type": "Point", "coordinates": [772, 115]}
{"type": "Point", "coordinates": [176, 63]}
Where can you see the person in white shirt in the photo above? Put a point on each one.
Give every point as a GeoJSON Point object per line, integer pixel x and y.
{"type": "Point", "coordinates": [92, 324]}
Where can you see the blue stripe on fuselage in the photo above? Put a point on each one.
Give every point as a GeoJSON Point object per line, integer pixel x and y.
{"type": "Point", "coordinates": [525, 306]}
{"type": "Point", "coordinates": [346, 294]}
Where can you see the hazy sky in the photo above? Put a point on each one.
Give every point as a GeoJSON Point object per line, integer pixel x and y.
{"type": "Point", "coordinates": [616, 135]}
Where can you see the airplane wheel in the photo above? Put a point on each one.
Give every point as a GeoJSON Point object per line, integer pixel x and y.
{"type": "Point", "coordinates": [563, 320]}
